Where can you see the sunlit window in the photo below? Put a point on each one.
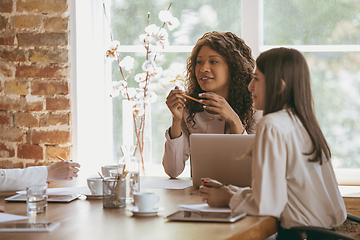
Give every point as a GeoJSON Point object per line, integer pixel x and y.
{"type": "Point", "coordinates": [328, 33]}
{"type": "Point", "coordinates": [128, 20]}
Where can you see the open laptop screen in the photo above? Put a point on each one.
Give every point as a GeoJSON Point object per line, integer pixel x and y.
{"type": "Point", "coordinates": [219, 156]}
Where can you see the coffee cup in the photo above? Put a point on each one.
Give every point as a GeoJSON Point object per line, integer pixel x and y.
{"type": "Point", "coordinates": [95, 185]}
{"type": "Point", "coordinates": [105, 170]}
{"type": "Point", "coordinates": [145, 201]}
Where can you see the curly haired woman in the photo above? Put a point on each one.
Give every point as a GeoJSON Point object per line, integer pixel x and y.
{"type": "Point", "coordinates": [219, 70]}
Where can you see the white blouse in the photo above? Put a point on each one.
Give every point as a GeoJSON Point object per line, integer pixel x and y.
{"type": "Point", "coordinates": [19, 179]}
{"type": "Point", "coordinates": [285, 184]}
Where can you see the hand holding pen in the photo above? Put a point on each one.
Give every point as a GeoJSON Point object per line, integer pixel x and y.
{"type": "Point", "coordinates": [215, 193]}
{"type": "Point", "coordinates": [217, 186]}
{"type": "Point", "coordinates": [62, 170]}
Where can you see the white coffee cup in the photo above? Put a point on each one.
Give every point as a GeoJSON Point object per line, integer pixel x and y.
{"type": "Point", "coordinates": [95, 185]}
{"type": "Point", "coordinates": [105, 170]}
{"type": "Point", "coordinates": [145, 201]}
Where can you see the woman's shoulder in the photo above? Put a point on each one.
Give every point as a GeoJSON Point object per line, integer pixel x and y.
{"type": "Point", "coordinates": [281, 120]}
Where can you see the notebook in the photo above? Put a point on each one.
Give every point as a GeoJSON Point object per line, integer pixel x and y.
{"type": "Point", "coordinates": [217, 156]}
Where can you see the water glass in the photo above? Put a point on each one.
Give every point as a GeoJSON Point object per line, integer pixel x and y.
{"type": "Point", "coordinates": [36, 199]}
{"type": "Point", "coordinates": [133, 185]}
{"type": "Point", "coordinates": [114, 193]}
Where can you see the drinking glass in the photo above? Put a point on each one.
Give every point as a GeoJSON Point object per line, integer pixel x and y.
{"type": "Point", "coordinates": [36, 199]}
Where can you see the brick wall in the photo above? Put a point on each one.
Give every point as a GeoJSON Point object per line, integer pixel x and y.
{"type": "Point", "coordinates": [35, 108]}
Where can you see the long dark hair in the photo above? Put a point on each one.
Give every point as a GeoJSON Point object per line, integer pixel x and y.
{"type": "Point", "coordinates": [289, 65]}
{"type": "Point", "coordinates": [241, 65]}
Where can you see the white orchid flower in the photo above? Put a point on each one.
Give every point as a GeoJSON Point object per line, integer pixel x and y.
{"type": "Point", "coordinates": [162, 44]}
{"type": "Point", "coordinates": [140, 77]}
{"type": "Point", "coordinates": [156, 73]}
{"type": "Point", "coordinates": [127, 63]}
{"type": "Point", "coordinates": [155, 87]}
{"type": "Point", "coordinates": [165, 16]}
{"type": "Point", "coordinates": [174, 75]}
{"type": "Point", "coordinates": [163, 39]}
{"type": "Point", "coordinates": [149, 66]}
{"type": "Point", "coordinates": [111, 53]}
{"type": "Point", "coordinates": [150, 97]}
{"type": "Point", "coordinates": [173, 23]}
{"type": "Point", "coordinates": [117, 87]}
{"type": "Point", "coordinates": [152, 30]}
{"type": "Point", "coordinates": [129, 91]}
{"type": "Point", "coordinates": [144, 38]}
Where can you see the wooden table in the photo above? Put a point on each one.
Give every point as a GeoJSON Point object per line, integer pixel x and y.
{"type": "Point", "coordinates": [86, 219]}
{"type": "Point", "coordinates": [352, 205]}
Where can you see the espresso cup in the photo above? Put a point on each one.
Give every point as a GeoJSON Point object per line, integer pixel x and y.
{"type": "Point", "coordinates": [105, 170]}
{"type": "Point", "coordinates": [95, 185]}
{"type": "Point", "coordinates": [145, 201]}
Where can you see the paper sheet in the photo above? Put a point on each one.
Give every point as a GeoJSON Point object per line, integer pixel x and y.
{"type": "Point", "coordinates": [204, 208]}
{"type": "Point", "coordinates": [350, 191]}
{"type": "Point", "coordinates": [63, 191]}
{"type": "Point", "coordinates": [167, 184]}
{"type": "Point", "coordinates": [5, 217]}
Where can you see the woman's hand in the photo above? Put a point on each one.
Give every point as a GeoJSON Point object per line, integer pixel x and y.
{"type": "Point", "coordinates": [214, 193]}
{"type": "Point", "coordinates": [63, 170]}
{"type": "Point", "coordinates": [2, 209]}
{"type": "Point", "coordinates": [216, 103]}
{"type": "Point", "coordinates": [176, 103]}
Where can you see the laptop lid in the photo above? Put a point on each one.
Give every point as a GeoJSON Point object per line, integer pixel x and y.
{"type": "Point", "coordinates": [219, 156]}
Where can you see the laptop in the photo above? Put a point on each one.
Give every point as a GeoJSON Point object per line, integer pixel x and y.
{"type": "Point", "coordinates": [220, 157]}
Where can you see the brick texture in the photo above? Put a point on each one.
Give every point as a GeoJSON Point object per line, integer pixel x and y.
{"type": "Point", "coordinates": [35, 107]}
{"type": "Point", "coordinates": [6, 6]}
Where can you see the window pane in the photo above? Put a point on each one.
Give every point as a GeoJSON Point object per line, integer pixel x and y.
{"type": "Point", "coordinates": [129, 18]}
{"type": "Point", "coordinates": [309, 22]}
{"type": "Point", "coordinates": [160, 115]}
{"type": "Point", "coordinates": [336, 91]}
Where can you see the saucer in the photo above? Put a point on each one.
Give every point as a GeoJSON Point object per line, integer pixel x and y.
{"type": "Point", "coordinates": [91, 196]}
{"type": "Point", "coordinates": [136, 212]}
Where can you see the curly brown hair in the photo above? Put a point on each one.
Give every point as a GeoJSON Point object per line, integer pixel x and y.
{"type": "Point", "coordinates": [241, 65]}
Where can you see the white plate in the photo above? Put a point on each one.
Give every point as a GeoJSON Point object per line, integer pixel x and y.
{"type": "Point", "coordinates": [136, 212]}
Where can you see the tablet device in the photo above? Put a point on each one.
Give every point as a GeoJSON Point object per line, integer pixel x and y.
{"type": "Point", "coordinates": [51, 198]}
{"type": "Point", "coordinates": [195, 216]}
{"type": "Point", "coordinates": [28, 227]}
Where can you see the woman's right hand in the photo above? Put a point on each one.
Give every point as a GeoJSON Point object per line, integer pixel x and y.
{"type": "Point", "coordinates": [176, 103]}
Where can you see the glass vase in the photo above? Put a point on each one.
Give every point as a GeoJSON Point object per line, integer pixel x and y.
{"type": "Point", "coordinates": [131, 170]}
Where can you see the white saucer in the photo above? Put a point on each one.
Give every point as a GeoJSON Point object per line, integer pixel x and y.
{"type": "Point", "coordinates": [91, 196]}
{"type": "Point", "coordinates": [136, 212]}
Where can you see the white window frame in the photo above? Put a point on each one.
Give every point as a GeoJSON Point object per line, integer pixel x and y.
{"type": "Point", "coordinates": [92, 108]}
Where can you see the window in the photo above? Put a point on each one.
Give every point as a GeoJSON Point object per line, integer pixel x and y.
{"type": "Point", "coordinates": [328, 34]}
{"type": "Point", "coordinates": [196, 18]}
{"type": "Point", "coordinates": [326, 31]}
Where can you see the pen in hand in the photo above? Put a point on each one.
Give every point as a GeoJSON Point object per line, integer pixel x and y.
{"type": "Point", "coordinates": [218, 186]}
{"type": "Point", "coordinates": [194, 99]}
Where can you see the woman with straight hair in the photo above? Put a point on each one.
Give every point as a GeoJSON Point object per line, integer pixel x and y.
{"type": "Point", "coordinates": [292, 175]}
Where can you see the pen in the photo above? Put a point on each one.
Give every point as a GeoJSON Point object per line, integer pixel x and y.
{"type": "Point", "coordinates": [60, 158]}
{"type": "Point", "coordinates": [191, 98]}
{"type": "Point", "coordinates": [218, 186]}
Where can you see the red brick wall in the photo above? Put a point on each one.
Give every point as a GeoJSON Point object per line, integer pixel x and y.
{"type": "Point", "coordinates": [35, 107]}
